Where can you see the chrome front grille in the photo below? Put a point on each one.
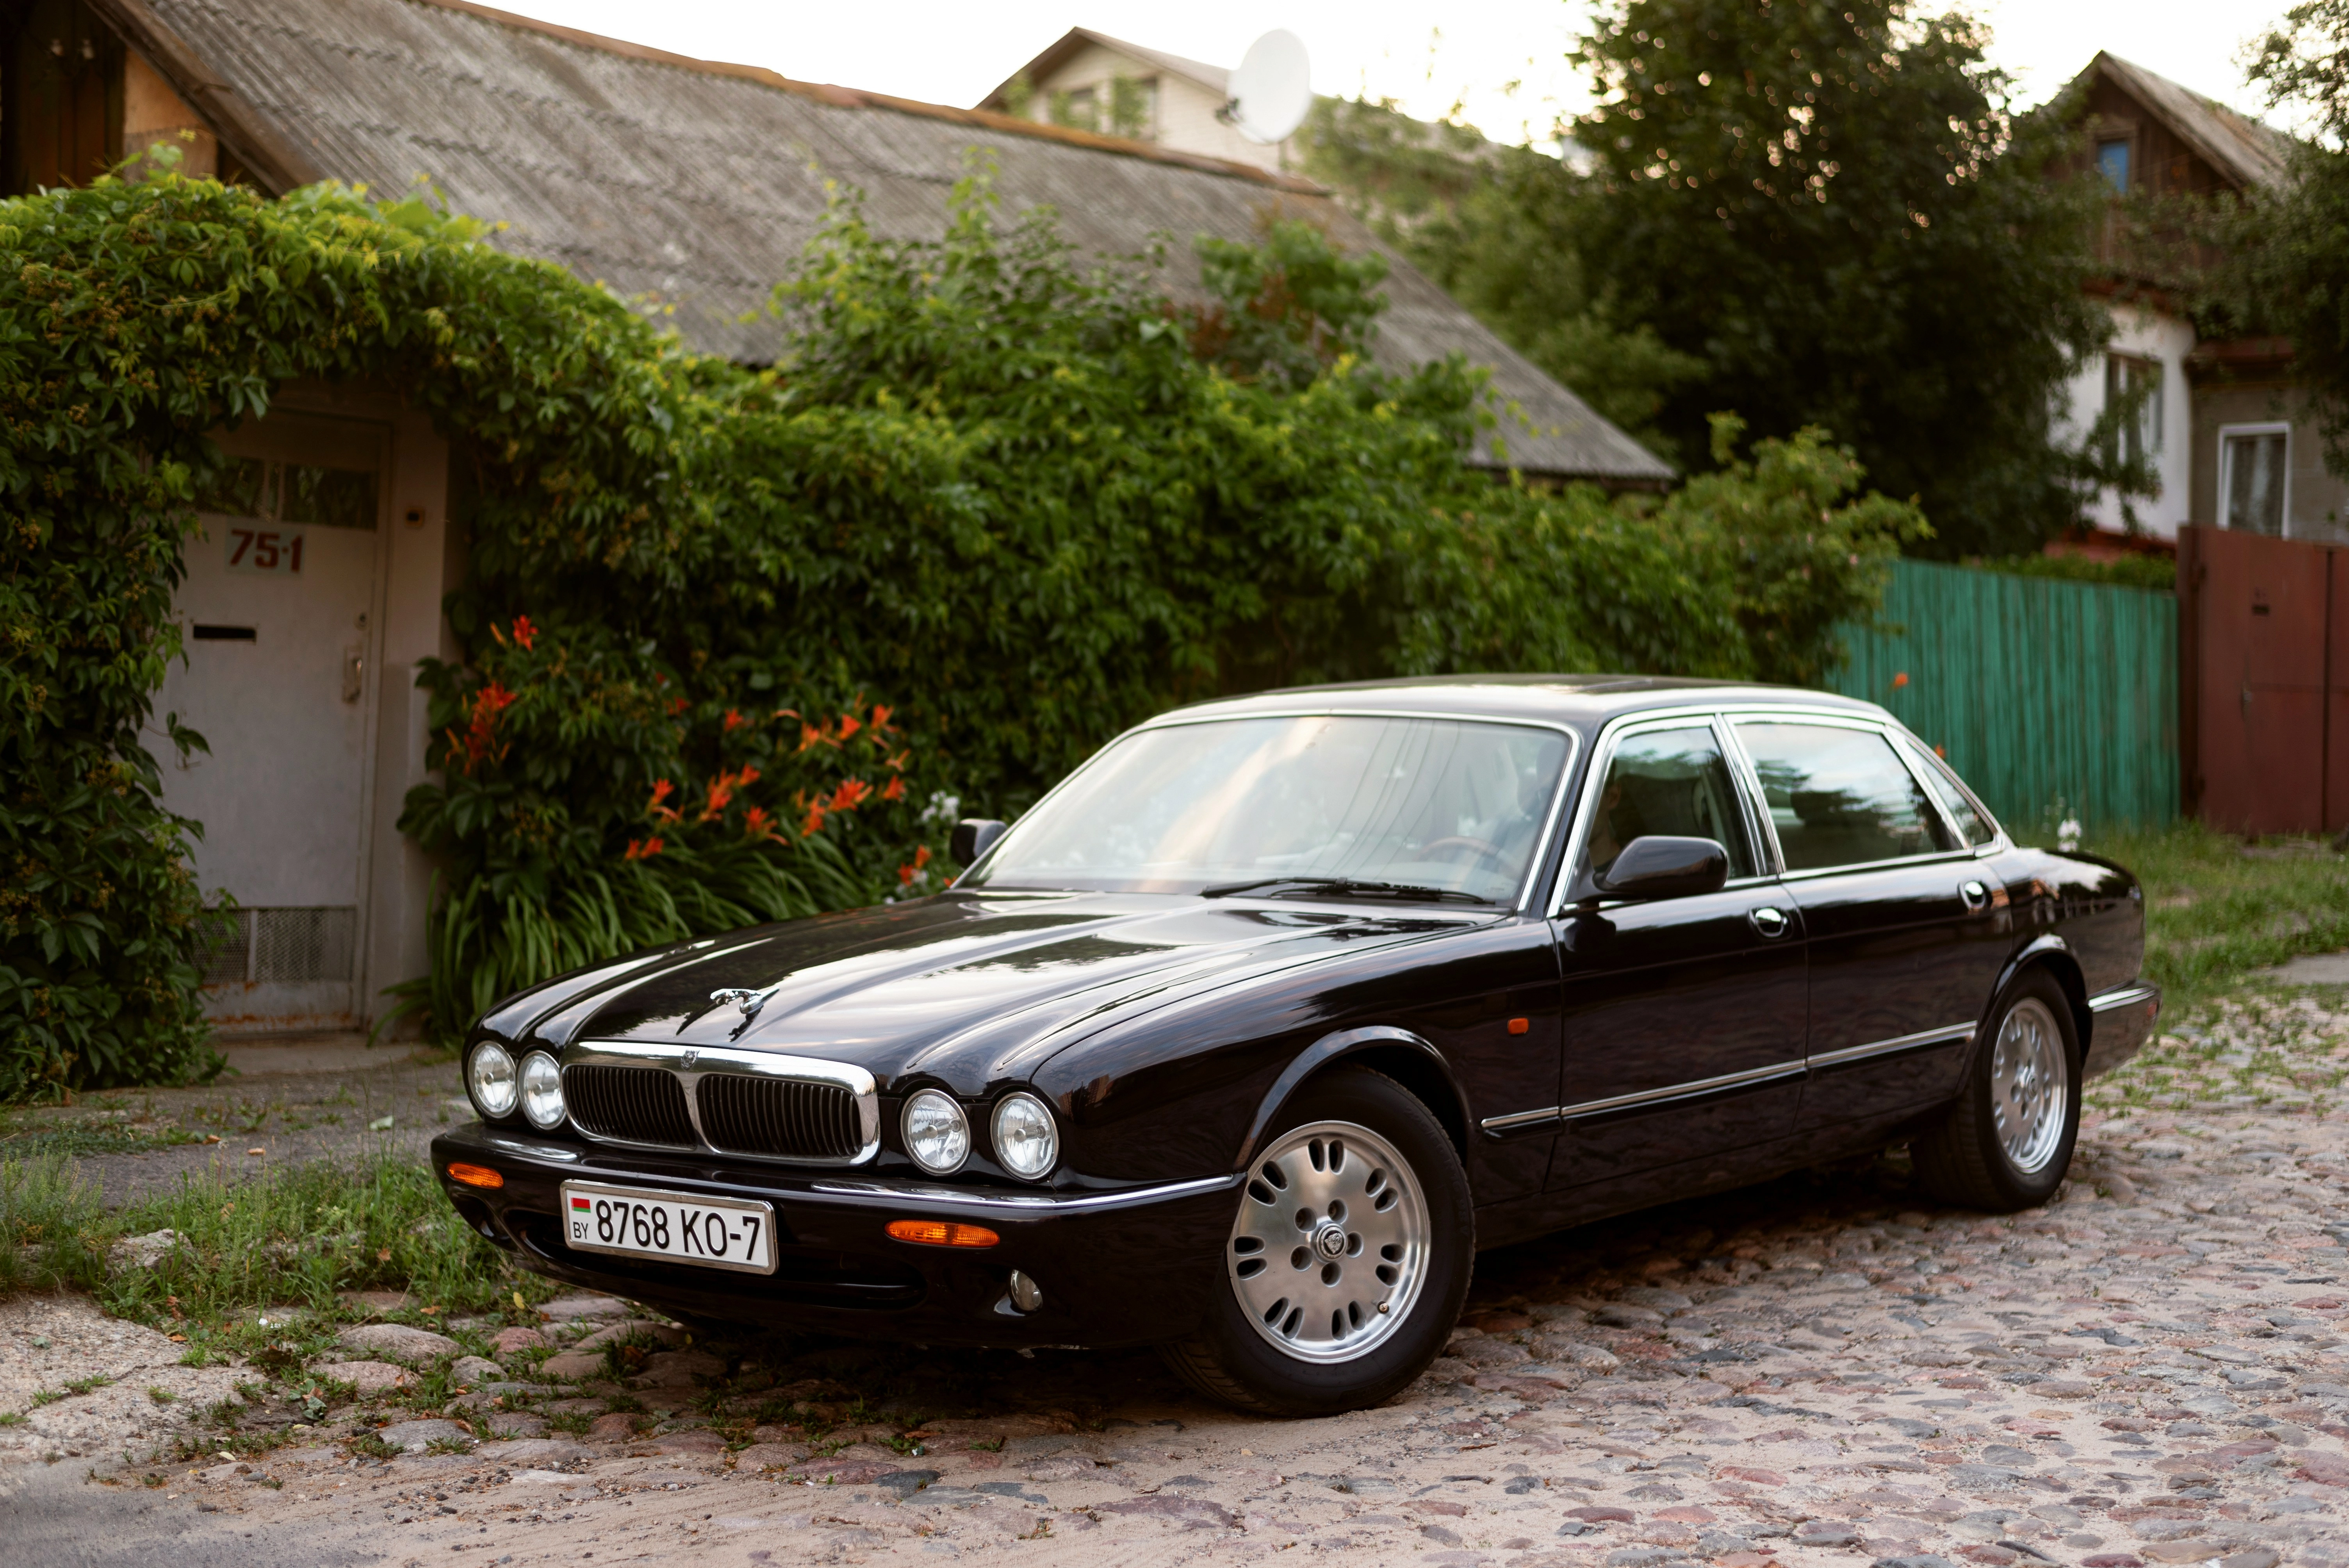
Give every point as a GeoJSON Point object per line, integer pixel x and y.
{"type": "Point", "coordinates": [629, 1104]}
{"type": "Point", "coordinates": [723, 1099]}
{"type": "Point", "coordinates": [782, 1118]}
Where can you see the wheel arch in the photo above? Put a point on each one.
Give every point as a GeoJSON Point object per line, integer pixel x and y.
{"type": "Point", "coordinates": [1408, 1059]}
{"type": "Point", "coordinates": [2054, 955]}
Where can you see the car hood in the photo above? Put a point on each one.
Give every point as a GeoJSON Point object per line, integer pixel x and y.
{"type": "Point", "coordinates": [970, 988]}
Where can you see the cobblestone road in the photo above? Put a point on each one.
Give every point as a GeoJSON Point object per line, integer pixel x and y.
{"type": "Point", "coordinates": [1823, 1371]}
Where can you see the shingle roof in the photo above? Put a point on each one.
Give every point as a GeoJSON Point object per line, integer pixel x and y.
{"type": "Point", "coordinates": [2243, 148]}
{"type": "Point", "coordinates": [701, 183]}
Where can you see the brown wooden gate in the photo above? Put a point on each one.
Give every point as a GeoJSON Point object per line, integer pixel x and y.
{"type": "Point", "coordinates": [2263, 682]}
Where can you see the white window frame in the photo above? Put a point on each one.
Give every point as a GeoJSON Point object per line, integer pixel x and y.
{"type": "Point", "coordinates": [2226, 467]}
{"type": "Point", "coordinates": [2153, 416]}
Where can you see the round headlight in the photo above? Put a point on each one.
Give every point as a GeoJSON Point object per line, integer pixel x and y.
{"type": "Point", "coordinates": [490, 1076]}
{"type": "Point", "coordinates": [542, 1091]}
{"type": "Point", "coordinates": [1026, 1142]}
{"type": "Point", "coordinates": [938, 1134]}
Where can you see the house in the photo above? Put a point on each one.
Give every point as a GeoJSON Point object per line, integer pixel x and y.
{"type": "Point", "coordinates": [2226, 426]}
{"type": "Point", "coordinates": [1095, 82]}
{"type": "Point", "coordinates": [691, 185]}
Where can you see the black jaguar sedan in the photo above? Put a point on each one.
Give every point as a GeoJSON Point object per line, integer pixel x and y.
{"type": "Point", "coordinates": [1248, 1036]}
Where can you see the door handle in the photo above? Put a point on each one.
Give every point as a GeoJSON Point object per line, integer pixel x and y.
{"type": "Point", "coordinates": [1975, 894]}
{"type": "Point", "coordinates": [1769, 922]}
{"type": "Point", "coordinates": [353, 672]}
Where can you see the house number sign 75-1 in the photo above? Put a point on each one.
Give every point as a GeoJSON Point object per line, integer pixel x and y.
{"type": "Point", "coordinates": [277, 551]}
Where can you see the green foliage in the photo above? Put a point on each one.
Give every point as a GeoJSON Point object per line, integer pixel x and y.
{"type": "Point", "coordinates": [2219, 910]}
{"type": "Point", "coordinates": [2158, 573]}
{"type": "Point", "coordinates": [1833, 207]}
{"type": "Point", "coordinates": [731, 635]}
{"type": "Point", "coordinates": [2287, 246]}
{"type": "Point", "coordinates": [1497, 228]}
{"type": "Point", "coordinates": [1813, 216]}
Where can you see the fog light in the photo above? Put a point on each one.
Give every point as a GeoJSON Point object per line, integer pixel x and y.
{"type": "Point", "coordinates": [542, 1091]}
{"type": "Point", "coordinates": [1026, 1293]}
{"type": "Point", "coordinates": [475, 1176]}
{"type": "Point", "coordinates": [490, 1075]}
{"type": "Point", "coordinates": [942, 1234]}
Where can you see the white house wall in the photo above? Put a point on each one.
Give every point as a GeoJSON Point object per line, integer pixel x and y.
{"type": "Point", "coordinates": [2143, 334]}
{"type": "Point", "coordinates": [1185, 119]}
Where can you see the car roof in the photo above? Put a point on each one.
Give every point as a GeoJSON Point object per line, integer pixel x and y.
{"type": "Point", "coordinates": [1581, 700]}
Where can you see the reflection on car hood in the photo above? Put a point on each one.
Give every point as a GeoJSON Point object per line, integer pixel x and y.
{"type": "Point", "coordinates": [967, 986]}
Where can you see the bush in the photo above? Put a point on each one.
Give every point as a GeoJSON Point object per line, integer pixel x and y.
{"type": "Point", "coordinates": [737, 641]}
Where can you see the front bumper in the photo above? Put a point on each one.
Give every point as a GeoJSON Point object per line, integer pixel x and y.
{"type": "Point", "coordinates": [2121, 1023]}
{"type": "Point", "coordinates": [1116, 1268]}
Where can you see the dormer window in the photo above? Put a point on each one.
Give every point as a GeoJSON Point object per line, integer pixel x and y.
{"type": "Point", "coordinates": [2113, 163]}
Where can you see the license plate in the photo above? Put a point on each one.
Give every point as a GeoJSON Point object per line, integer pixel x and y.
{"type": "Point", "coordinates": [683, 1227]}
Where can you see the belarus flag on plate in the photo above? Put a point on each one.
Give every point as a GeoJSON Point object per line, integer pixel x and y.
{"type": "Point", "coordinates": [578, 1202]}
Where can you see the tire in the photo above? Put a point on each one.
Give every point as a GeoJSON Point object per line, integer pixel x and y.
{"type": "Point", "coordinates": [1293, 1326]}
{"type": "Point", "coordinates": [2007, 1143]}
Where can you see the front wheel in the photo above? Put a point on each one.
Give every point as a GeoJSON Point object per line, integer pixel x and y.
{"type": "Point", "coordinates": [1348, 1259]}
{"type": "Point", "coordinates": [2007, 1143]}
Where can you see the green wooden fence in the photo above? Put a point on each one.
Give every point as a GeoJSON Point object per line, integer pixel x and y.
{"type": "Point", "coordinates": [2051, 699]}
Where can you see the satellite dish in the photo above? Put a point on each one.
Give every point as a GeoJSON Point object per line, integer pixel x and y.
{"type": "Point", "coordinates": [1273, 89]}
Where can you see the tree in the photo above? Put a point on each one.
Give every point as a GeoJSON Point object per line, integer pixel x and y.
{"type": "Point", "coordinates": [1833, 207]}
{"type": "Point", "coordinates": [1494, 228]}
{"type": "Point", "coordinates": [2288, 248]}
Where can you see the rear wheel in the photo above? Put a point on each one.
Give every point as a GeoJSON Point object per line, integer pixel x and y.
{"type": "Point", "coordinates": [1348, 1259]}
{"type": "Point", "coordinates": [2007, 1143]}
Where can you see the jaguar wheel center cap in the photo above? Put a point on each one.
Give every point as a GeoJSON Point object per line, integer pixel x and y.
{"type": "Point", "coordinates": [1329, 1241]}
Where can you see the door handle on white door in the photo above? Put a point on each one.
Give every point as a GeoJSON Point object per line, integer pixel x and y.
{"type": "Point", "coordinates": [1769, 922]}
{"type": "Point", "coordinates": [353, 672]}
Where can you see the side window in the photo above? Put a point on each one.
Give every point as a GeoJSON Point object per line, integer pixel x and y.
{"type": "Point", "coordinates": [1669, 781]}
{"type": "Point", "coordinates": [1839, 797]}
{"type": "Point", "coordinates": [1972, 826]}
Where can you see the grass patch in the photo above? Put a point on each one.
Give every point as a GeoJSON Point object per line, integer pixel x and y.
{"type": "Point", "coordinates": [2218, 910]}
{"type": "Point", "coordinates": [296, 1237]}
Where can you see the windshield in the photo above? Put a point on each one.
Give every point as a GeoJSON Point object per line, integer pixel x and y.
{"type": "Point", "coordinates": [1414, 803]}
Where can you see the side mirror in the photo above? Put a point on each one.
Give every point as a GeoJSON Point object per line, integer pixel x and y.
{"type": "Point", "coordinates": [973, 836]}
{"type": "Point", "coordinates": [1658, 866]}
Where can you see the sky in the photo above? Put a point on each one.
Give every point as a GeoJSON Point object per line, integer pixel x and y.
{"type": "Point", "coordinates": [1500, 61]}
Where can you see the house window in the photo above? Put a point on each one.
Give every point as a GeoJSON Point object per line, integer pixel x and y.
{"type": "Point", "coordinates": [1078, 109]}
{"type": "Point", "coordinates": [2254, 476]}
{"type": "Point", "coordinates": [2113, 163]}
{"type": "Point", "coordinates": [2134, 386]}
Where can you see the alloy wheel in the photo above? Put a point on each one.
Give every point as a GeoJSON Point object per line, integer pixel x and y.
{"type": "Point", "coordinates": [2030, 1086]}
{"type": "Point", "coordinates": [1331, 1247]}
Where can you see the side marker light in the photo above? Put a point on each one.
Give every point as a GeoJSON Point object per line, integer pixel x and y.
{"type": "Point", "coordinates": [1519, 1026]}
{"type": "Point", "coordinates": [476, 1176]}
{"type": "Point", "coordinates": [942, 1234]}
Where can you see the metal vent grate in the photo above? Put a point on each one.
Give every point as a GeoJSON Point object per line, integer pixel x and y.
{"type": "Point", "coordinates": [782, 1118]}
{"type": "Point", "coordinates": [280, 946]}
{"type": "Point", "coordinates": [635, 1105]}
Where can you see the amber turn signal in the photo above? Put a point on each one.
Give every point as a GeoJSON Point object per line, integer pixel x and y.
{"type": "Point", "coordinates": [1519, 1026]}
{"type": "Point", "coordinates": [942, 1234]}
{"type": "Point", "coordinates": [476, 1176]}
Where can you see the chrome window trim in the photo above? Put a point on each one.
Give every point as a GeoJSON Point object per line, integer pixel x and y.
{"type": "Point", "coordinates": [1603, 752]}
{"type": "Point", "coordinates": [1026, 1202]}
{"type": "Point", "coordinates": [1956, 1034]}
{"type": "Point", "coordinates": [1180, 721]}
{"type": "Point", "coordinates": [734, 1059]}
{"type": "Point", "coordinates": [1893, 735]}
{"type": "Point", "coordinates": [1927, 762]}
{"type": "Point", "coordinates": [2125, 996]}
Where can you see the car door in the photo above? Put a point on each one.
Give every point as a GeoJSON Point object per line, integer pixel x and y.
{"type": "Point", "coordinates": [1901, 920]}
{"type": "Point", "coordinates": [1682, 1018]}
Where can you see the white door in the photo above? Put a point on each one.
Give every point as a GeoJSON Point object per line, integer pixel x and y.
{"type": "Point", "coordinates": [277, 613]}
